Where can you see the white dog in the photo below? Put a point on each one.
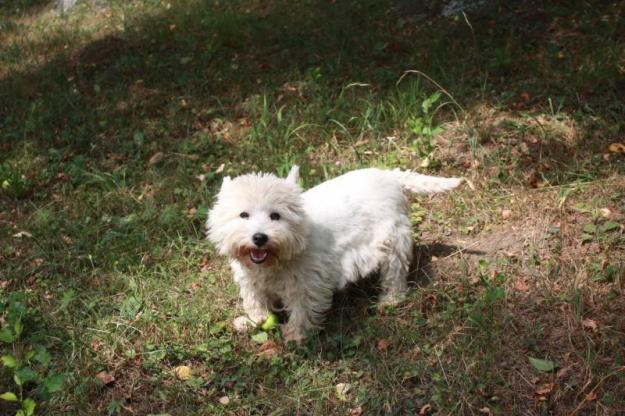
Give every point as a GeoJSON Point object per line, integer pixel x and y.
{"type": "Point", "coordinates": [290, 250]}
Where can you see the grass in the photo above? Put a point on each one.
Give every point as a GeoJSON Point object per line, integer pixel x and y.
{"type": "Point", "coordinates": [119, 121]}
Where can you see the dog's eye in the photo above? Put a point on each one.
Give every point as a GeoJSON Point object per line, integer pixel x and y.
{"type": "Point", "coordinates": [274, 216]}
{"type": "Point", "coordinates": [244, 215]}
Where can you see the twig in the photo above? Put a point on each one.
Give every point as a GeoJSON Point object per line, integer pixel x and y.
{"type": "Point", "coordinates": [440, 87]}
{"type": "Point", "coordinates": [579, 406]}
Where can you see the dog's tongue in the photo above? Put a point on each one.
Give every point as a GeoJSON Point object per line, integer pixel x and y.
{"type": "Point", "coordinates": [258, 256]}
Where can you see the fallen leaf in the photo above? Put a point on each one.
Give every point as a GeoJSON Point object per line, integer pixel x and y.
{"type": "Point", "coordinates": [269, 349]}
{"type": "Point", "coordinates": [356, 412]}
{"type": "Point", "coordinates": [520, 285]}
{"type": "Point", "coordinates": [605, 212]}
{"type": "Point", "coordinates": [542, 365]}
{"type": "Point", "coordinates": [204, 265]}
{"type": "Point", "coordinates": [156, 157]}
{"type": "Point", "coordinates": [183, 372]}
{"type": "Point", "coordinates": [105, 377]}
{"type": "Point", "coordinates": [544, 389]}
{"type": "Point", "coordinates": [562, 373]}
{"type": "Point", "coordinates": [224, 400]}
{"type": "Point", "coordinates": [617, 148]}
{"type": "Point", "coordinates": [591, 396]}
{"type": "Point", "coordinates": [589, 323]}
{"type": "Point", "coordinates": [220, 168]}
{"type": "Point", "coordinates": [383, 344]}
{"type": "Point", "coordinates": [432, 299]}
{"type": "Point", "coordinates": [23, 234]}
{"type": "Point", "coordinates": [424, 409]}
{"type": "Point", "coordinates": [341, 391]}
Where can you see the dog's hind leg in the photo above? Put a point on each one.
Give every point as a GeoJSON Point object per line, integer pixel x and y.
{"type": "Point", "coordinates": [394, 270]}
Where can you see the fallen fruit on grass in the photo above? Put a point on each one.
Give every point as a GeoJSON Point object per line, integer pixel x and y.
{"type": "Point", "coordinates": [270, 323]}
{"type": "Point", "coordinates": [183, 372]}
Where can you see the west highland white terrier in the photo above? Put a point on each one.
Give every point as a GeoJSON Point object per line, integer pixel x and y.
{"type": "Point", "coordinates": [290, 250]}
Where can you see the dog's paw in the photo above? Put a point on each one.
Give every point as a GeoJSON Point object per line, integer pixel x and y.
{"type": "Point", "coordinates": [290, 333]}
{"type": "Point", "coordinates": [243, 324]}
{"type": "Point", "coordinates": [391, 299]}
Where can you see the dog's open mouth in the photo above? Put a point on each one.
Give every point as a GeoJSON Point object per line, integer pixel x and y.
{"type": "Point", "coordinates": [258, 255]}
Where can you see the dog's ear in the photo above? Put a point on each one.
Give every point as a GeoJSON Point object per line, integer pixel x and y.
{"type": "Point", "coordinates": [225, 182]}
{"type": "Point", "coordinates": [293, 176]}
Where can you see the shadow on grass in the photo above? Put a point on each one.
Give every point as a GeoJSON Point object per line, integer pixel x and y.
{"type": "Point", "coordinates": [211, 58]}
{"type": "Point", "coordinates": [352, 306]}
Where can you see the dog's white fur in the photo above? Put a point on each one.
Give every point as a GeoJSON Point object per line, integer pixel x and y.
{"type": "Point", "coordinates": [324, 238]}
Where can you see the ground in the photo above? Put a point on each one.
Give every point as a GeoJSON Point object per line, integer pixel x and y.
{"type": "Point", "coordinates": [119, 119]}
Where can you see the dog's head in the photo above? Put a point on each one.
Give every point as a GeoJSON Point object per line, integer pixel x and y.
{"type": "Point", "coordinates": [258, 219]}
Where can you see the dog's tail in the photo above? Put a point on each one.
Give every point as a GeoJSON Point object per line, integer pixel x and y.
{"type": "Point", "coordinates": [424, 184]}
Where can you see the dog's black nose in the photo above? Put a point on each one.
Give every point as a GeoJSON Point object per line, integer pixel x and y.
{"type": "Point", "coordinates": [260, 239]}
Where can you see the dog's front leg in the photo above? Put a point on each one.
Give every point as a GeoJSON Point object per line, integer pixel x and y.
{"type": "Point", "coordinates": [254, 305]}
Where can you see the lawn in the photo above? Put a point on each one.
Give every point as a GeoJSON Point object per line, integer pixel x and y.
{"type": "Point", "coordinates": [119, 119]}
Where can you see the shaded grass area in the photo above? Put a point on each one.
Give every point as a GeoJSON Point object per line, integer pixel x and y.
{"type": "Point", "coordinates": [119, 121]}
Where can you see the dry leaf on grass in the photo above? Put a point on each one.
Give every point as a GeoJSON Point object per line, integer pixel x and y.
{"type": "Point", "coordinates": [383, 344]}
{"type": "Point", "coordinates": [356, 412]}
{"type": "Point", "coordinates": [506, 214]}
{"type": "Point", "coordinates": [589, 324]}
{"type": "Point", "coordinates": [156, 157]}
{"type": "Point", "coordinates": [425, 409]}
{"type": "Point", "coordinates": [520, 285]}
{"type": "Point", "coordinates": [544, 389]}
{"type": "Point", "coordinates": [105, 377]}
{"type": "Point", "coordinates": [269, 349]}
{"type": "Point", "coordinates": [341, 391]}
{"type": "Point", "coordinates": [605, 212]}
{"type": "Point", "coordinates": [617, 148]}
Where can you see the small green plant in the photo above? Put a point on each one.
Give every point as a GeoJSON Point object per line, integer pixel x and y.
{"type": "Point", "coordinates": [422, 127]}
{"type": "Point", "coordinates": [592, 232]}
{"type": "Point", "coordinates": [482, 313]}
{"type": "Point", "coordinates": [13, 182]}
{"type": "Point", "coordinates": [27, 363]}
